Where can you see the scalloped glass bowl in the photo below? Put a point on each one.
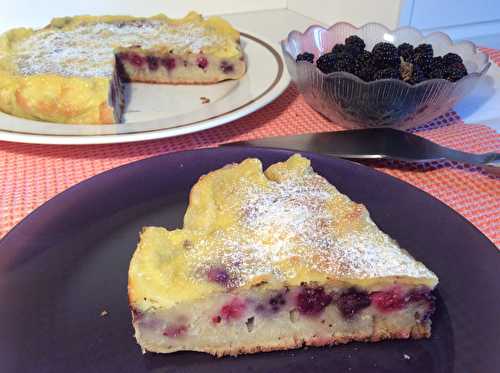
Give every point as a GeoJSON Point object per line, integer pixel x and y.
{"type": "Point", "coordinates": [349, 101]}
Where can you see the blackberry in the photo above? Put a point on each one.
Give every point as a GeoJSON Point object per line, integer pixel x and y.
{"type": "Point", "coordinates": [435, 65]}
{"type": "Point", "coordinates": [356, 41]}
{"type": "Point", "coordinates": [326, 62]}
{"type": "Point", "coordinates": [344, 62]}
{"type": "Point", "coordinates": [423, 55]}
{"type": "Point", "coordinates": [436, 74]}
{"type": "Point", "coordinates": [363, 66]}
{"type": "Point", "coordinates": [365, 72]}
{"type": "Point", "coordinates": [405, 50]}
{"type": "Point", "coordinates": [425, 50]}
{"type": "Point", "coordinates": [387, 73]}
{"type": "Point", "coordinates": [385, 55]}
{"type": "Point", "coordinates": [455, 72]}
{"type": "Point", "coordinates": [353, 50]}
{"type": "Point", "coordinates": [417, 75]}
{"type": "Point", "coordinates": [364, 58]}
{"type": "Point", "coordinates": [338, 48]}
{"type": "Point", "coordinates": [306, 56]}
{"type": "Point", "coordinates": [451, 58]}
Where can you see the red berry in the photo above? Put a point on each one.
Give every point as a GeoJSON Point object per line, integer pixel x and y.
{"type": "Point", "coordinates": [169, 63]}
{"type": "Point", "coordinates": [389, 300]}
{"type": "Point", "coordinates": [233, 310]}
{"type": "Point", "coordinates": [136, 60]}
{"type": "Point", "coordinates": [202, 62]}
{"type": "Point", "coordinates": [175, 331]}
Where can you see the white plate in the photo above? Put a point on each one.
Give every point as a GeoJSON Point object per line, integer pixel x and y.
{"type": "Point", "coordinates": [156, 111]}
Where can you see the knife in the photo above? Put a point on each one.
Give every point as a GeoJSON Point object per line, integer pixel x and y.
{"type": "Point", "coordinates": [376, 143]}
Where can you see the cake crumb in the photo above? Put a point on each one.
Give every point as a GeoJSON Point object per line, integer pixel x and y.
{"type": "Point", "coordinates": [204, 100]}
{"type": "Point", "coordinates": [406, 357]}
{"type": "Point", "coordinates": [103, 313]}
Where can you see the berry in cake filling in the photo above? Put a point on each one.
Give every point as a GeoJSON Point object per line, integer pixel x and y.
{"type": "Point", "coordinates": [312, 301]}
{"type": "Point", "coordinates": [169, 63]}
{"type": "Point", "coordinates": [226, 67]}
{"type": "Point", "coordinates": [388, 300]}
{"type": "Point", "coordinates": [351, 302]}
{"type": "Point", "coordinates": [274, 304]}
{"type": "Point", "coordinates": [218, 275]}
{"type": "Point", "coordinates": [153, 62]}
{"type": "Point", "coordinates": [232, 310]}
{"type": "Point", "coordinates": [173, 331]}
{"type": "Point", "coordinates": [136, 60]}
{"type": "Point", "coordinates": [202, 62]}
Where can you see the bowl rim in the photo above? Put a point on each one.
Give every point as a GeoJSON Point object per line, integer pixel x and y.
{"type": "Point", "coordinates": [292, 34]}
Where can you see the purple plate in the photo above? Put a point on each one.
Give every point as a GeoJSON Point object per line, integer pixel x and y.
{"type": "Point", "coordinates": [68, 260]}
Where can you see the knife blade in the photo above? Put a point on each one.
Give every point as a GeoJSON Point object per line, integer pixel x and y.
{"type": "Point", "coordinates": [374, 143]}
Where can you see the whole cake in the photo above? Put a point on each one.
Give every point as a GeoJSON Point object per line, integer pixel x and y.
{"type": "Point", "coordinates": [72, 71]}
{"type": "Point", "coordinates": [273, 260]}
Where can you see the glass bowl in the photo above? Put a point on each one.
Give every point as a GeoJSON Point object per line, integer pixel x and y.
{"type": "Point", "coordinates": [353, 103]}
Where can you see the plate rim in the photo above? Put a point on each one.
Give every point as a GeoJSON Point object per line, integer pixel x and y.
{"type": "Point", "coordinates": [272, 92]}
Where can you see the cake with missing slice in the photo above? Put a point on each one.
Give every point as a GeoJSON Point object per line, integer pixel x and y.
{"type": "Point", "coordinates": [72, 71]}
{"type": "Point", "coordinates": [273, 260]}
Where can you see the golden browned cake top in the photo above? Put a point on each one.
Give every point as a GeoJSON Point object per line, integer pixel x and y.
{"type": "Point", "coordinates": [84, 46]}
{"type": "Point", "coordinates": [244, 227]}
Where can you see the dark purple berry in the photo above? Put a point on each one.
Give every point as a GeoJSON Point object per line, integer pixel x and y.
{"type": "Point", "coordinates": [364, 58]}
{"type": "Point", "coordinates": [405, 50]}
{"type": "Point", "coordinates": [455, 72]}
{"type": "Point", "coordinates": [425, 50]}
{"type": "Point", "coordinates": [306, 56]}
{"type": "Point", "coordinates": [417, 75]}
{"type": "Point", "coordinates": [326, 62]}
{"type": "Point", "coordinates": [338, 48]}
{"type": "Point", "coordinates": [387, 73]}
{"type": "Point", "coordinates": [277, 302]}
{"type": "Point", "coordinates": [226, 67]}
{"type": "Point", "coordinates": [419, 294]}
{"type": "Point", "coordinates": [153, 62]}
{"type": "Point", "coordinates": [385, 55]}
{"type": "Point", "coordinates": [355, 41]}
{"type": "Point", "coordinates": [352, 50]}
{"type": "Point", "coordinates": [218, 275]}
{"type": "Point", "coordinates": [451, 58]}
{"type": "Point", "coordinates": [312, 300]}
{"type": "Point", "coordinates": [423, 56]}
{"type": "Point", "coordinates": [344, 62]}
{"type": "Point", "coordinates": [352, 301]}
{"type": "Point", "coordinates": [364, 71]}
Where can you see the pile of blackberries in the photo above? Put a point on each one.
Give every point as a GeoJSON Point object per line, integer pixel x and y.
{"type": "Point", "coordinates": [386, 61]}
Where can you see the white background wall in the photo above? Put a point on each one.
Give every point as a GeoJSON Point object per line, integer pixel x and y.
{"type": "Point", "coordinates": [356, 12]}
{"type": "Point", "coordinates": [459, 18]}
{"type": "Point", "coordinates": [37, 13]}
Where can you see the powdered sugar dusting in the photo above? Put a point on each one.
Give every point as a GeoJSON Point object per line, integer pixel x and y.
{"type": "Point", "coordinates": [294, 225]}
{"type": "Point", "coordinates": [88, 50]}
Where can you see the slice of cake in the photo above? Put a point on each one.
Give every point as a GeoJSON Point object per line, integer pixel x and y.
{"type": "Point", "coordinates": [273, 260]}
{"type": "Point", "coordinates": [72, 70]}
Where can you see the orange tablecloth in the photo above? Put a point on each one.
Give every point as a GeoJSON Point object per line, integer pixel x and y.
{"type": "Point", "coordinates": [32, 174]}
